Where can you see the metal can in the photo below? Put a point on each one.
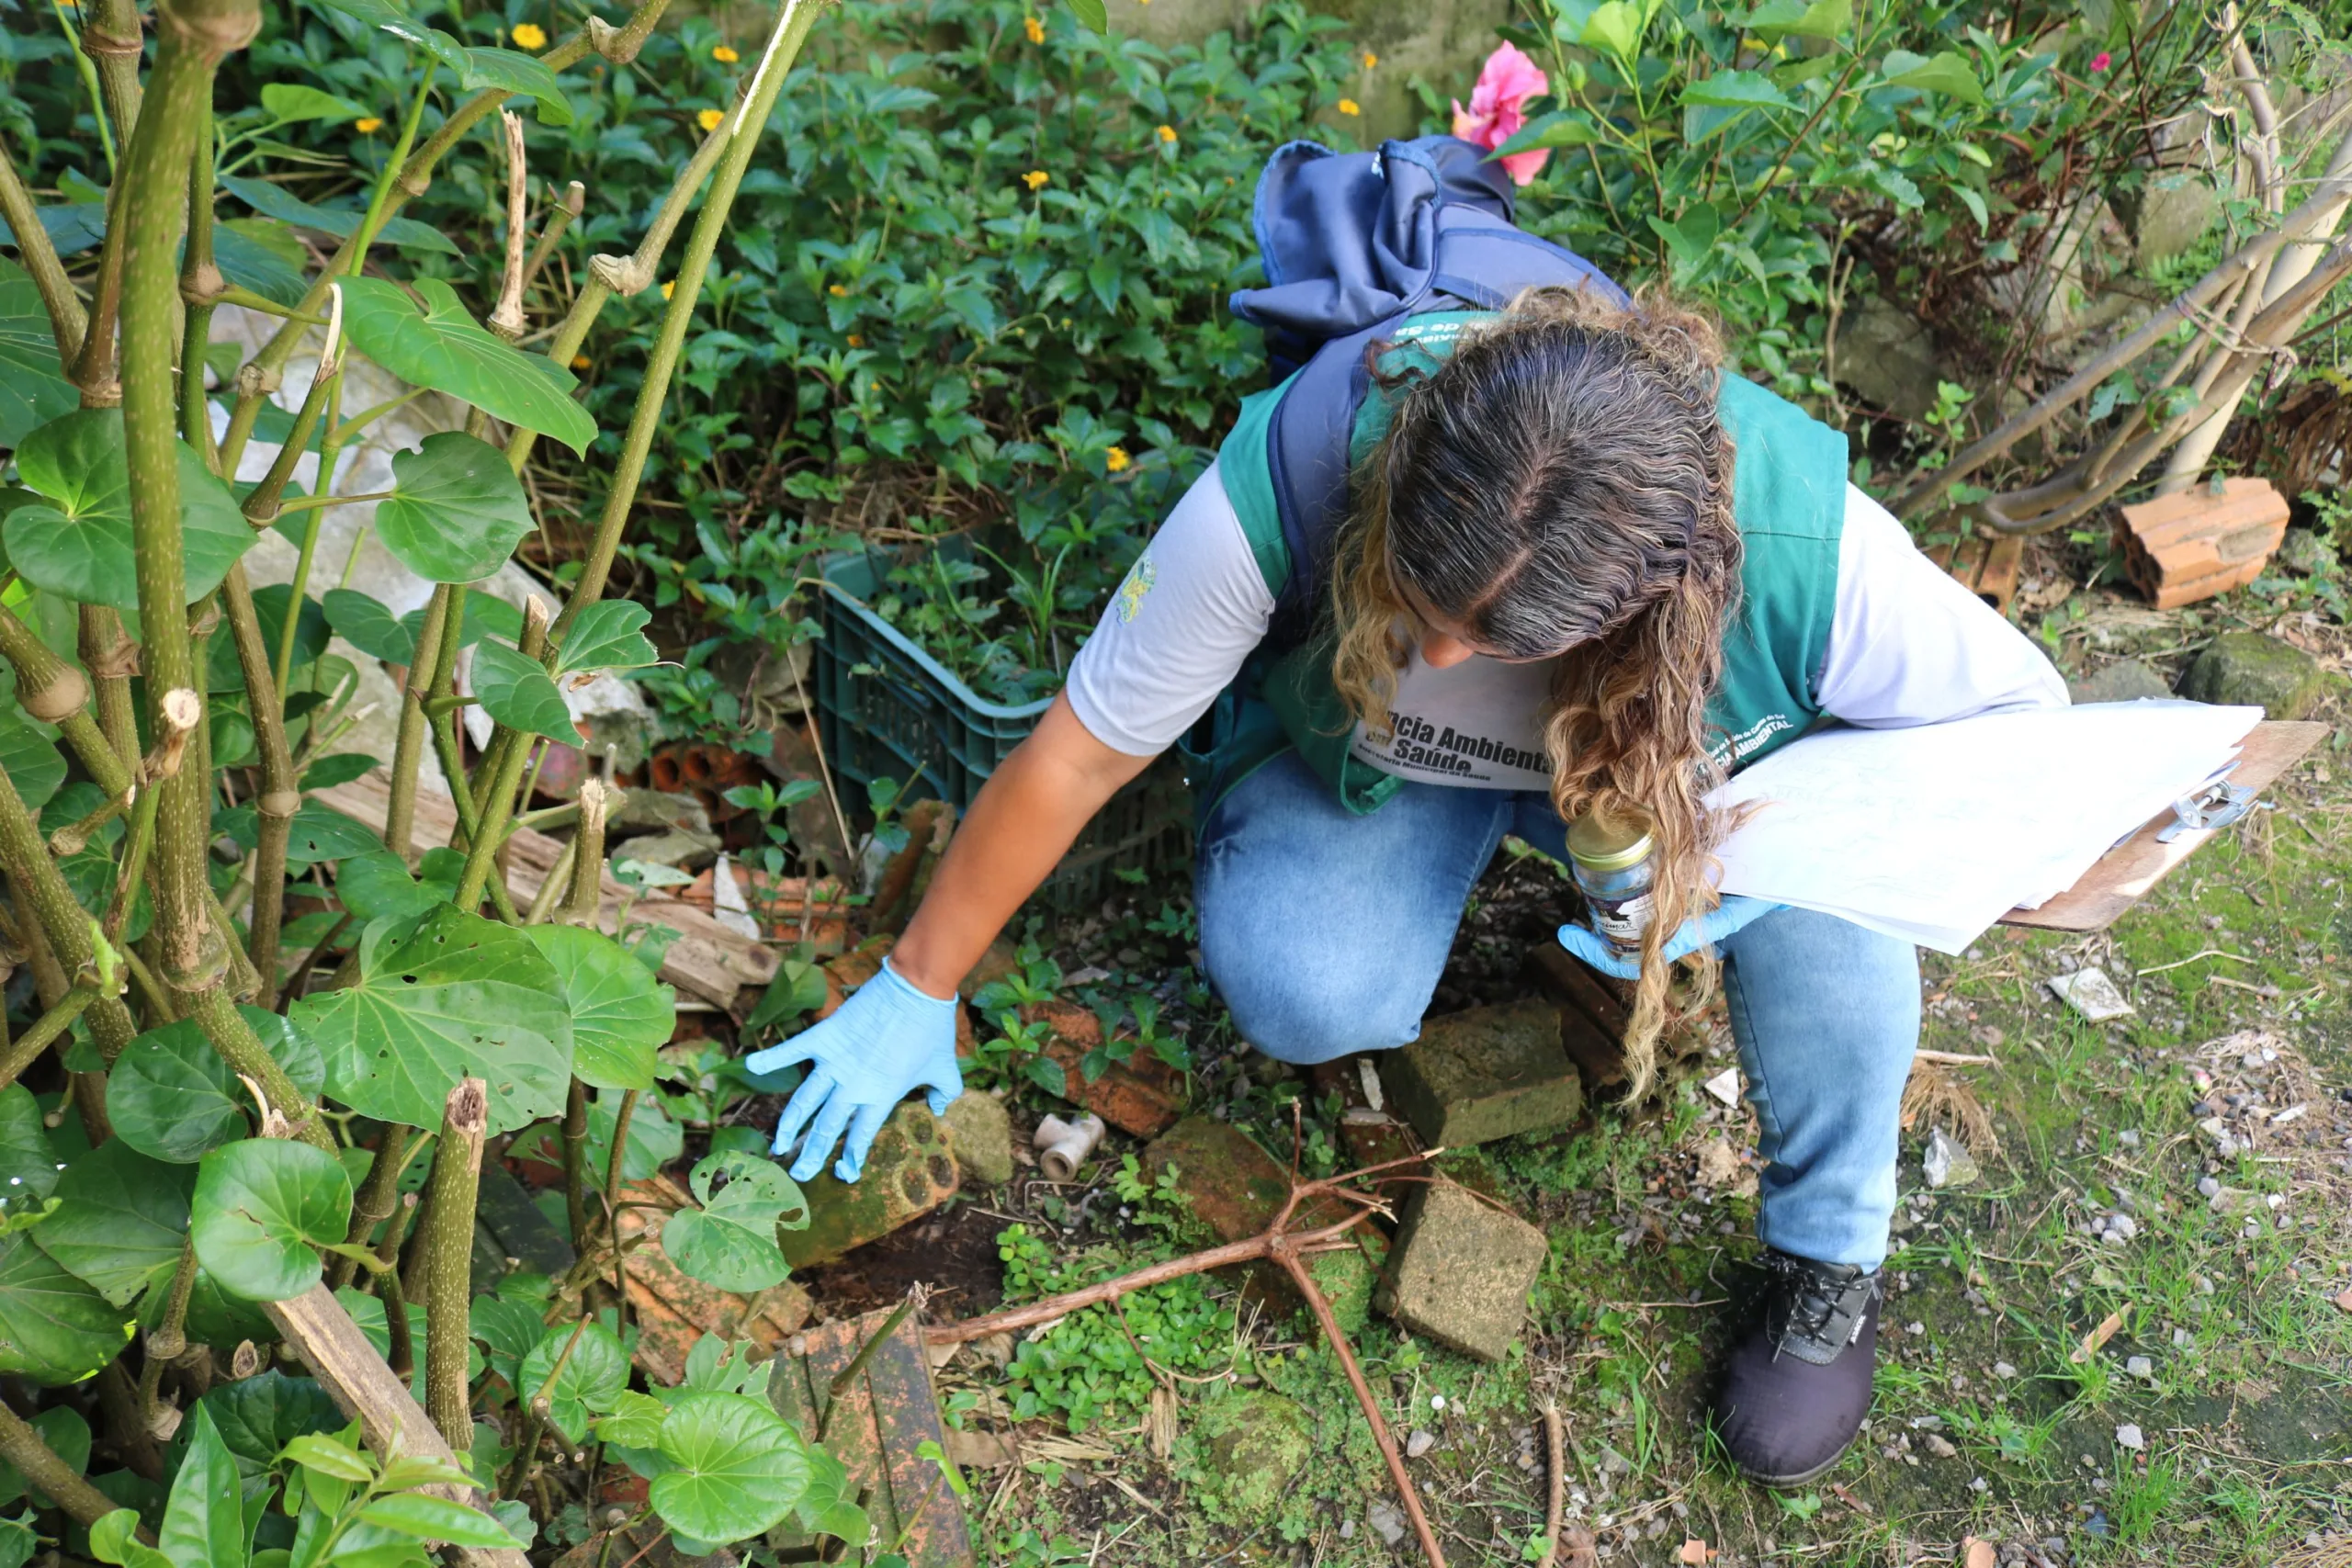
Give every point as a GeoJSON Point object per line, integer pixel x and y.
{"type": "Point", "coordinates": [1612, 859]}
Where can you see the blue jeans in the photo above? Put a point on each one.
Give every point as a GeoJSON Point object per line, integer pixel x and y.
{"type": "Point", "coordinates": [1325, 934]}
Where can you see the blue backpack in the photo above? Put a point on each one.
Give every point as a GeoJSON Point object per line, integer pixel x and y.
{"type": "Point", "coordinates": [1353, 244]}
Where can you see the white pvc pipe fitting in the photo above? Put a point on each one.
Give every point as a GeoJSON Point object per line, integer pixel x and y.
{"type": "Point", "coordinates": [1062, 1146]}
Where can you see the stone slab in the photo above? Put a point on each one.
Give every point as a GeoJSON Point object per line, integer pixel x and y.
{"type": "Point", "coordinates": [1460, 1271]}
{"type": "Point", "coordinates": [1484, 1073]}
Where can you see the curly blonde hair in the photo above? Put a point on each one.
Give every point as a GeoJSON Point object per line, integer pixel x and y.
{"type": "Point", "coordinates": [1562, 487]}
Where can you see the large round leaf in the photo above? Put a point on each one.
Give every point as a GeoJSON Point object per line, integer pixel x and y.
{"type": "Point", "coordinates": [731, 1242]}
{"type": "Point", "coordinates": [456, 512]}
{"type": "Point", "coordinates": [121, 1220]}
{"type": "Point", "coordinates": [737, 1468]}
{"type": "Point", "coordinates": [590, 1383]}
{"type": "Point", "coordinates": [377, 885]}
{"type": "Point", "coordinates": [170, 1096]}
{"type": "Point", "coordinates": [620, 1014]}
{"type": "Point", "coordinates": [519, 695]}
{"type": "Point", "coordinates": [53, 1327]}
{"type": "Point", "coordinates": [258, 1415]}
{"type": "Point", "coordinates": [262, 1205]}
{"type": "Point", "coordinates": [451, 997]}
{"type": "Point", "coordinates": [29, 761]}
{"type": "Point", "coordinates": [27, 1160]}
{"type": "Point", "coordinates": [441, 348]}
{"type": "Point", "coordinates": [33, 388]}
{"type": "Point", "coordinates": [609, 635]}
{"type": "Point", "coordinates": [77, 541]}
{"type": "Point", "coordinates": [364, 622]}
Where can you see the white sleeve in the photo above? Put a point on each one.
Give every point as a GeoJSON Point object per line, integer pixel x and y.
{"type": "Point", "coordinates": [1190, 612]}
{"type": "Point", "coordinates": [1909, 645]}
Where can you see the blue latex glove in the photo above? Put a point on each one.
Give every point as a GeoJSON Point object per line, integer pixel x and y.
{"type": "Point", "coordinates": [1704, 930]}
{"type": "Point", "coordinates": [886, 1041]}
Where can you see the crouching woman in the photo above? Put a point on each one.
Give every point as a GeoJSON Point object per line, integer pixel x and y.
{"type": "Point", "coordinates": [1580, 569]}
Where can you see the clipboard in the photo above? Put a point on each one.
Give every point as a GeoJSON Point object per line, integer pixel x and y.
{"type": "Point", "coordinates": [2127, 873]}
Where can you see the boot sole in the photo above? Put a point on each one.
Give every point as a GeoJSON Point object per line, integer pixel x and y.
{"type": "Point", "coordinates": [1804, 1478]}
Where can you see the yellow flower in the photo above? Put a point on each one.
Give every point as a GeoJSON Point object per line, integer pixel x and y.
{"type": "Point", "coordinates": [1036, 179]}
{"type": "Point", "coordinates": [835, 289]}
{"type": "Point", "coordinates": [579, 361]}
{"type": "Point", "coordinates": [1370, 59]}
{"type": "Point", "coordinates": [529, 35]}
{"type": "Point", "coordinates": [669, 289]}
{"type": "Point", "coordinates": [1348, 105]}
{"type": "Point", "coordinates": [1168, 134]}
{"type": "Point", "coordinates": [1116, 459]}
{"type": "Point", "coordinates": [724, 55]}
{"type": "Point", "coordinates": [709, 120]}
{"type": "Point", "coordinates": [1034, 28]}
{"type": "Point", "coordinates": [369, 126]}
{"type": "Point", "coordinates": [855, 341]}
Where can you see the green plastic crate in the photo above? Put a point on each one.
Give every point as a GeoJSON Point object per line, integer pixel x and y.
{"type": "Point", "coordinates": [886, 709]}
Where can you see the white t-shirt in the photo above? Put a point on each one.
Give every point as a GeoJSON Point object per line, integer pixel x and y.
{"type": "Point", "coordinates": [1907, 645]}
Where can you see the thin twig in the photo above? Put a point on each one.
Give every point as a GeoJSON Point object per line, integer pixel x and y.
{"type": "Point", "coordinates": [1555, 1451]}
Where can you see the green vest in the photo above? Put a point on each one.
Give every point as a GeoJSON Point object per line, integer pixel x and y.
{"type": "Point", "coordinates": [1789, 502]}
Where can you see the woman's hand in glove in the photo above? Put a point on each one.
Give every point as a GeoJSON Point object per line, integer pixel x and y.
{"type": "Point", "coordinates": [885, 1042]}
{"type": "Point", "coordinates": [1701, 931]}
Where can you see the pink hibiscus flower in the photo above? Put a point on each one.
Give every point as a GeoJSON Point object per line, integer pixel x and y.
{"type": "Point", "coordinates": [1499, 109]}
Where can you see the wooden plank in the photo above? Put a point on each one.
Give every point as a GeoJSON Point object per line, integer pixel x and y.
{"type": "Point", "coordinates": [2126, 874]}
{"type": "Point", "coordinates": [887, 1415]}
{"type": "Point", "coordinates": [707, 961]}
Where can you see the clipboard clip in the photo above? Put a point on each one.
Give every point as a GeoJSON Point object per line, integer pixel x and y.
{"type": "Point", "coordinates": [2218, 805]}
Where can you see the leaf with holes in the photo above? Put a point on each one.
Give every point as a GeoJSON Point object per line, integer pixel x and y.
{"type": "Point", "coordinates": [739, 1468]}
{"type": "Point", "coordinates": [609, 635]}
{"type": "Point", "coordinates": [365, 623]}
{"type": "Point", "coordinates": [451, 997]}
{"type": "Point", "coordinates": [33, 388]}
{"type": "Point", "coordinates": [731, 1242]}
{"type": "Point", "coordinates": [442, 347]}
{"type": "Point", "coordinates": [588, 1385]}
{"type": "Point", "coordinates": [121, 1220]}
{"type": "Point", "coordinates": [456, 510]}
{"type": "Point", "coordinates": [54, 1328]}
{"type": "Point", "coordinates": [262, 1206]}
{"type": "Point", "coordinates": [76, 541]}
{"type": "Point", "coordinates": [519, 695]}
{"type": "Point", "coordinates": [29, 762]}
{"type": "Point", "coordinates": [620, 1014]}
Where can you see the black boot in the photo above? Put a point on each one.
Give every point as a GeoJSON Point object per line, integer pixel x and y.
{"type": "Point", "coordinates": [1797, 1386]}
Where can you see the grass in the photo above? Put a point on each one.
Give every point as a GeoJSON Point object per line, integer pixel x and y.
{"type": "Point", "coordinates": [2245, 1424]}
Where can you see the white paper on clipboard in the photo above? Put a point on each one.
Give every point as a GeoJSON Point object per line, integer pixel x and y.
{"type": "Point", "coordinates": [1934, 833]}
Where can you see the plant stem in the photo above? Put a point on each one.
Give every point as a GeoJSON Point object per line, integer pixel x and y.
{"type": "Point", "coordinates": [110, 38]}
{"type": "Point", "coordinates": [494, 804]}
{"type": "Point", "coordinates": [408, 745]}
{"type": "Point", "coordinates": [279, 798]}
{"type": "Point", "coordinates": [27, 1047]}
{"type": "Point", "coordinates": [266, 500]}
{"type": "Point", "coordinates": [43, 899]}
{"type": "Point", "coordinates": [112, 659]}
{"type": "Point", "coordinates": [535, 1411]}
{"type": "Point", "coordinates": [748, 122]}
{"type": "Point", "coordinates": [447, 1245]}
{"type": "Point", "coordinates": [21, 1446]}
{"type": "Point", "coordinates": [299, 586]}
{"type": "Point", "coordinates": [201, 286]}
{"type": "Point", "coordinates": [55, 692]}
{"type": "Point", "coordinates": [575, 1162]}
{"type": "Point", "coordinates": [376, 1198]}
{"type": "Point", "coordinates": [67, 319]}
{"type": "Point", "coordinates": [618, 1167]}
{"type": "Point", "coordinates": [354, 258]}
{"type": "Point", "coordinates": [169, 1339]}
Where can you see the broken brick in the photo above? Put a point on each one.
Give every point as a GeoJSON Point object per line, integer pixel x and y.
{"type": "Point", "coordinates": [1460, 1270]}
{"type": "Point", "coordinates": [1234, 1189]}
{"type": "Point", "coordinates": [1484, 1073]}
{"type": "Point", "coordinates": [909, 1172]}
{"type": "Point", "coordinates": [1142, 1095]}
